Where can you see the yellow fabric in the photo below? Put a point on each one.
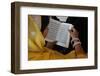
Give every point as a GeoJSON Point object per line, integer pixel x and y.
{"type": "Point", "coordinates": [36, 42]}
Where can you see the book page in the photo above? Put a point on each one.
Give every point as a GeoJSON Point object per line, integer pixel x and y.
{"type": "Point", "coordinates": [62, 18]}
{"type": "Point", "coordinates": [63, 36]}
{"type": "Point", "coordinates": [53, 28]}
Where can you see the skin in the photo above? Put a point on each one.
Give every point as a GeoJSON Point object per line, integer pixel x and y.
{"type": "Point", "coordinates": [78, 48]}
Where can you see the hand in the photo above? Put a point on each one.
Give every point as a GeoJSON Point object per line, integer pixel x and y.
{"type": "Point", "coordinates": [74, 33]}
{"type": "Point", "coordinates": [45, 32]}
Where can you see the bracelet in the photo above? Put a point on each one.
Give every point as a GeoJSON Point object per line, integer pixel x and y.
{"type": "Point", "coordinates": [74, 39]}
{"type": "Point", "coordinates": [76, 43]}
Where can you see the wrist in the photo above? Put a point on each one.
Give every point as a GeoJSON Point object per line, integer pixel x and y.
{"type": "Point", "coordinates": [75, 41]}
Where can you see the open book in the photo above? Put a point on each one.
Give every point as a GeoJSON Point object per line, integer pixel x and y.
{"type": "Point", "coordinates": [58, 31]}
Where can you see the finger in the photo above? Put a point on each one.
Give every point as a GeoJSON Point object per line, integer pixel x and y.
{"type": "Point", "coordinates": [70, 31]}
{"type": "Point", "coordinates": [74, 30]}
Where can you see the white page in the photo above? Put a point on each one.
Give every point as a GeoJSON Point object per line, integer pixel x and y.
{"type": "Point", "coordinates": [62, 18]}
{"type": "Point", "coordinates": [63, 36]}
{"type": "Point", "coordinates": [53, 27]}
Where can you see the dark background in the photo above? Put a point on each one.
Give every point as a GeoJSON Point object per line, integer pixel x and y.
{"type": "Point", "coordinates": [80, 24]}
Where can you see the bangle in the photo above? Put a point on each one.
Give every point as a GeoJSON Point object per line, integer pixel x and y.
{"type": "Point", "coordinates": [74, 39]}
{"type": "Point", "coordinates": [76, 43]}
